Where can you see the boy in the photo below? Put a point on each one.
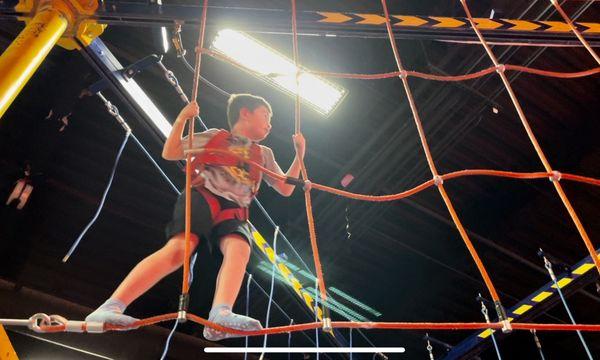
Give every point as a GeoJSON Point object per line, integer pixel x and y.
{"type": "Point", "coordinates": [221, 195]}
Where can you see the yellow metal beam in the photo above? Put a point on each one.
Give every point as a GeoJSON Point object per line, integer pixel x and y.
{"type": "Point", "coordinates": [7, 352]}
{"type": "Point", "coordinates": [22, 58]}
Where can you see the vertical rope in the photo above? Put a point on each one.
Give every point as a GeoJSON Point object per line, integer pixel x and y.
{"type": "Point", "coordinates": [290, 339]}
{"type": "Point", "coordinates": [350, 344]}
{"type": "Point", "coordinates": [538, 344]}
{"type": "Point", "coordinates": [247, 311]}
{"type": "Point", "coordinates": [500, 69]}
{"type": "Point", "coordinates": [317, 316]}
{"type": "Point", "coordinates": [272, 287]}
{"type": "Point", "coordinates": [548, 266]}
{"type": "Point", "coordinates": [575, 31]}
{"type": "Point", "coordinates": [457, 222]}
{"type": "Point", "coordinates": [307, 197]}
{"type": "Point", "coordinates": [484, 311]}
{"type": "Point", "coordinates": [188, 166]}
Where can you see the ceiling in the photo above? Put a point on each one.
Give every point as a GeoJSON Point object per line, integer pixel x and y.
{"type": "Point", "coordinates": [405, 258]}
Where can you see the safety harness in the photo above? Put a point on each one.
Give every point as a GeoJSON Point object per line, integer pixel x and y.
{"type": "Point", "coordinates": [221, 141]}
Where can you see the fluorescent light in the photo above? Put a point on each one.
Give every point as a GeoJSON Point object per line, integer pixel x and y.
{"type": "Point", "coordinates": [165, 39]}
{"type": "Point", "coordinates": [278, 70]}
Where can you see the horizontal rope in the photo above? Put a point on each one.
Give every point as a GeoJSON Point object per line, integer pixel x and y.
{"type": "Point", "coordinates": [340, 325]}
{"type": "Point", "coordinates": [417, 74]}
{"type": "Point", "coordinates": [421, 187]}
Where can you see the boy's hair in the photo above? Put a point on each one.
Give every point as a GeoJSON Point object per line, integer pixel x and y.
{"type": "Point", "coordinates": [238, 101]}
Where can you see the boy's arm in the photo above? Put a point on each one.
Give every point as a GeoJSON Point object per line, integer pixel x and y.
{"type": "Point", "coordinates": [294, 171]}
{"type": "Point", "coordinates": [173, 148]}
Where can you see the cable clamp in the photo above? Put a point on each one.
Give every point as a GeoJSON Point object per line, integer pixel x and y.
{"type": "Point", "coordinates": [327, 325]}
{"type": "Point", "coordinates": [506, 326]}
{"type": "Point", "coordinates": [556, 176]}
{"type": "Point", "coordinates": [500, 68]}
{"type": "Point", "coordinates": [94, 327]}
{"type": "Point", "coordinates": [438, 180]}
{"type": "Point", "coordinates": [307, 185]}
{"type": "Point", "coordinates": [403, 74]}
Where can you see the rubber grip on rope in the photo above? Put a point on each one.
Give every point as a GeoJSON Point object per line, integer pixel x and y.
{"type": "Point", "coordinates": [294, 181]}
{"type": "Point", "coordinates": [184, 301]}
{"type": "Point", "coordinates": [506, 328]}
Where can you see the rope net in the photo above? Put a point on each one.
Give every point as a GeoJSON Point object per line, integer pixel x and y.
{"type": "Point", "coordinates": [54, 323]}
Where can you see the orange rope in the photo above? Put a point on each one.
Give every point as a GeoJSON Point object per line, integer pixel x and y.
{"type": "Point", "coordinates": [575, 31]}
{"type": "Point", "coordinates": [423, 186]}
{"type": "Point", "coordinates": [410, 73]}
{"type": "Point", "coordinates": [532, 138]}
{"type": "Point", "coordinates": [453, 214]}
{"type": "Point", "coordinates": [307, 198]}
{"type": "Point", "coordinates": [185, 287]}
{"type": "Point", "coordinates": [340, 325]}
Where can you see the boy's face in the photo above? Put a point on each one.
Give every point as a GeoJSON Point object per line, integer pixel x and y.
{"type": "Point", "coordinates": [257, 123]}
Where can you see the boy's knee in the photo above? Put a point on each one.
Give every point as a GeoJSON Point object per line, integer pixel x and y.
{"type": "Point", "coordinates": [176, 247]}
{"type": "Point", "coordinates": [235, 246]}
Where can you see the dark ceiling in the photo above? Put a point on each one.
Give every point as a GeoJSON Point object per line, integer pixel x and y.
{"type": "Point", "coordinates": [404, 258]}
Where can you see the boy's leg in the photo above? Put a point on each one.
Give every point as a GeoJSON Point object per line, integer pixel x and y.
{"type": "Point", "coordinates": [236, 253]}
{"type": "Point", "coordinates": [143, 276]}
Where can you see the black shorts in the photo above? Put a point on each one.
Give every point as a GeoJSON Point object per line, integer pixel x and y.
{"type": "Point", "coordinates": [202, 224]}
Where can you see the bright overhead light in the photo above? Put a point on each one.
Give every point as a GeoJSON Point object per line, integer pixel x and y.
{"type": "Point", "coordinates": [278, 70]}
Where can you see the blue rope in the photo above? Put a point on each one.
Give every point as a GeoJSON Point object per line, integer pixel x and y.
{"type": "Point", "coordinates": [317, 315]}
{"type": "Point", "coordinates": [496, 347]}
{"type": "Point", "coordinates": [484, 311]}
{"type": "Point", "coordinates": [290, 339]}
{"type": "Point", "coordinates": [350, 345]}
{"type": "Point", "coordinates": [548, 266]}
{"type": "Point", "coordinates": [167, 343]}
{"type": "Point", "coordinates": [272, 283]}
{"type": "Point", "coordinates": [110, 180]}
{"type": "Point", "coordinates": [538, 345]}
{"type": "Point", "coordinates": [156, 165]}
{"type": "Point", "coordinates": [248, 282]}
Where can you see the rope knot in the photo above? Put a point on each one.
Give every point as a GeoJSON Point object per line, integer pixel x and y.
{"type": "Point", "coordinates": [307, 185]}
{"type": "Point", "coordinates": [403, 74]}
{"type": "Point", "coordinates": [500, 68]}
{"type": "Point", "coordinates": [438, 180]}
{"type": "Point", "coordinates": [556, 176]}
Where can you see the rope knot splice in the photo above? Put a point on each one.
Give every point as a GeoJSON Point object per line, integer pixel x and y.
{"type": "Point", "coordinates": [307, 185]}
{"type": "Point", "coordinates": [556, 176]}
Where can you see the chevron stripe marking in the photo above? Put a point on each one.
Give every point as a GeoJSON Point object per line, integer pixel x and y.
{"type": "Point", "coordinates": [371, 19]}
{"type": "Point", "coordinates": [486, 24]}
{"type": "Point", "coordinates": [522, 25]}
{"type": "Point", "coordinates": [591, 27]}
{"type": "Point", "coordinates": [447, 22]}
{"type": "Point", "coordinates": [556, 26]}
{"type": "Point", "coordinates": [333, 17]}
{"type": "Point", "coordinates": [406, 20]}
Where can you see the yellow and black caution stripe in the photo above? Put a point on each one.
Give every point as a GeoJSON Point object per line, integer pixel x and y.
{"type": "Point", "coordinates": [286, 273]}
{"type": "Point", "coordinates": [533, 303]}
{"type": "Point", "coordinates": [456, 23]}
